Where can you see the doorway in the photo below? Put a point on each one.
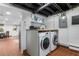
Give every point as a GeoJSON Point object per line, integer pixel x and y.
{"type": "Point", "coordinates": [9, 31]}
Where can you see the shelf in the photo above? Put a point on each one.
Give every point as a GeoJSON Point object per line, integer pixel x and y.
{"type": "Point", "coordinates": [38, 23]}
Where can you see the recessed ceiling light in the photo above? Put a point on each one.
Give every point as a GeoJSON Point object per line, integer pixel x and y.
{"type": "Point", "coordinates": [8, 13]}
{"type": "Point", "coordinates": [20, 16]}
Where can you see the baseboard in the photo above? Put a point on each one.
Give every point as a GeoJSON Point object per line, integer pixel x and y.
{"type": "Point", "coordinates": [64, 45]}
{"type": "Point", "coordinates": [74, 47]}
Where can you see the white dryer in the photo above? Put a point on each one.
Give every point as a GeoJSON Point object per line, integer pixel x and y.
{"type": "Point", "coordinates": [53, 40]}
{"type": "Point", "coordinates": [44, 43]}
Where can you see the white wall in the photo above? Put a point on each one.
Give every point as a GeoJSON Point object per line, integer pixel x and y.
{"type": "Point", "coordinates": [73, 29]}
{"type": "Point", "coordinates": [26, 17]}
{"type": "Point", "coordinates": [53, 23]}
{"type": "Point", "coordinates": [67, 36]}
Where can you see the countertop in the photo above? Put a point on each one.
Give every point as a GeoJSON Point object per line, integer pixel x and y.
{"type": "Point", "coordinates": [45, 30]}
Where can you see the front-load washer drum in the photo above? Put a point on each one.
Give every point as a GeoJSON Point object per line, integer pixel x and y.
{"type": "Point", "coordinates": [45, 43]}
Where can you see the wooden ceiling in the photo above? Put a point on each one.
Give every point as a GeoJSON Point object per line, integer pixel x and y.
{"type": "Point", "coordinates": [46, 9]}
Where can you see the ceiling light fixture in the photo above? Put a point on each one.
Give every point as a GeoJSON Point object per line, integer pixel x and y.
{"type": "Point", "coordinates": [8, 13]}
{"type": "Point", "coordinates": [63, 17]}
{"type": "Point", "coordinates": [20, 16]}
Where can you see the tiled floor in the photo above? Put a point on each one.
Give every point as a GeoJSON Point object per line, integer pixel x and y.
{"type": "Point", "coordinates": [63, 51]}
{"type": "Point", "coordinates": [9, 47]}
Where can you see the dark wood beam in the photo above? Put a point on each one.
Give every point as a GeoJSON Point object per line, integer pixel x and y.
{"type": "Point", "coordinates": [68, 4]}
{"type": "Point", "coordinates": [49, 9]}
{"type": "Point", "coordinates": [57, 6]}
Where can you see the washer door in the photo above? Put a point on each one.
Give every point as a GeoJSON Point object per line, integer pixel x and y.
{"type": "Point", "coordinates": [45, 43]}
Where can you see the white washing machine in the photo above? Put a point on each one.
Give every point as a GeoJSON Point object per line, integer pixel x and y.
{"type": "Point", "coordinates": [38, 43]}
{"type": "Point", "coordinates": [53, 40]}
{"type": "Point", "coordinates": [44, 43]}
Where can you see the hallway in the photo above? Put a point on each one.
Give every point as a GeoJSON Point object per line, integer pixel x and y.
{"type": "Point", "coordinates": [9, 47]}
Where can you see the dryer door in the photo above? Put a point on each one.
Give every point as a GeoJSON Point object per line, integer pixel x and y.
{"type": "Point", "coordinates": [55, 41]}
{"type": "Point", "coordinates": [45, 43]}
